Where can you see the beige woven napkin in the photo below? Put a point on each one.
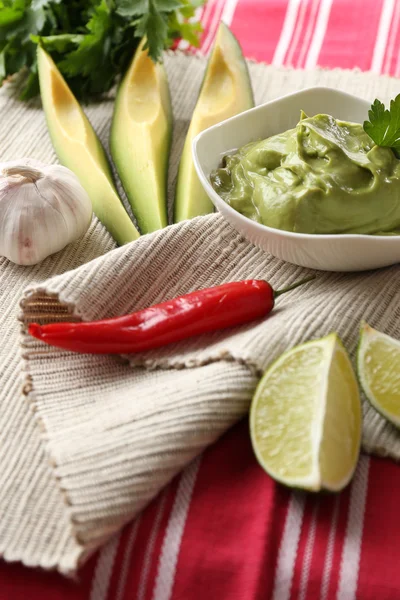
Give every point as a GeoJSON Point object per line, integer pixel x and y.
{"type": "Point", "coordinates": [92, 439]}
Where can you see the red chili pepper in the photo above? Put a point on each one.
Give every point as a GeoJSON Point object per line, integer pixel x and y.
{"type": "Point", "coordinates": [199, 312]}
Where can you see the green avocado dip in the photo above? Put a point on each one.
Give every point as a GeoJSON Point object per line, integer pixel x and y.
{"type": "Point", "coordinates": [324, 176]}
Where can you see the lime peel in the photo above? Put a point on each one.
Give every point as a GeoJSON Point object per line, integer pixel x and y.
{"type": "Point", "coordinates": [378, 366]}
{"type": "Point", "coordinates": [305, 418]}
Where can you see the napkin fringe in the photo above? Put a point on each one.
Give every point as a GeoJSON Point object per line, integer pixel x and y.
{"type": "Point", "coordinates": [42, 306]}
{"type": "Point", "coordinates": [45, 307]}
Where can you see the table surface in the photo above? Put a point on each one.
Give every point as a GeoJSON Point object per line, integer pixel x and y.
{"type": "Point", "coordinates": [223, 529]}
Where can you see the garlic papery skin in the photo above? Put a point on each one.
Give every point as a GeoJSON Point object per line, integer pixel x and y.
{"type": "Point", "coordinates": [42, 209]}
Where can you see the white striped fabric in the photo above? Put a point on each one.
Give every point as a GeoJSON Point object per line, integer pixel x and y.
{"type": "Point", "coordinates": [218, 6]}
{"type": "Point", "coordinates": [298, 31]}
{"type": "Point", "coordinates": [329, 551]}
{"type": "Point", "coordinates": [148, 554]}
{"type": "Point", "coordinates": [126, 561]}
{"type": "Point", "coordinates": [382, 37]}
{"type": "Point", "coordinates": [391, 50]}
{"type": "Point", "coordinates": [288, 548]}
{"type": "Point", "coordinates": [352, 545]}
{"type": "Point", "coordinates": [305, 573]}
{"type": "Point", "coordinates": [319, 33]}
{"type": "Point", "coordinates": [288, 28]}
{"type": "Point", "coordinates": [308, 35]}
{"type": "Point", "coordinates": [174, 532]}
{"type": "Point", "coordinates": [229, 11]}
{"type": "Point", "coordinates": [104, 569]}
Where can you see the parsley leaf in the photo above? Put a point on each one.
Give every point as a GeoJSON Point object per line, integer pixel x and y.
{"type": "Point", "coordinates": [91, 58]}
{"type": "Point", "coordinates": [162, 21]}
{"type": "Point", "coordinates": [153, 25]}
{"type": "Point", "coordinates": [383, 126]}
{"type": "Point", "coordinates": [167, 5]}
{"type": "Point", "coordinates": [91, 41]}
{"type": "Point", "coordinates": [58, 43]}
{"type": "Point", "coordinates": [127, 8]}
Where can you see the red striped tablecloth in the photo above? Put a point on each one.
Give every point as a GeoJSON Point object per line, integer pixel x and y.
{"type": "Point", "coordinates": [307, 33]}
{"type": "Point", "coordinates": [223, 530]}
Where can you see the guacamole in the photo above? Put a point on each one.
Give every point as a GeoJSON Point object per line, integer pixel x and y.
{"type": "Point", "coordinates": [324, 176]}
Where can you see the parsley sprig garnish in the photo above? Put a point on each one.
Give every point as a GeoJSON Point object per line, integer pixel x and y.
{"type": "Point", "coordinates": [383, 126]}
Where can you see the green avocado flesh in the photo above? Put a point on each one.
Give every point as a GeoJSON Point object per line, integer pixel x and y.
{"type": "Point", "coordinates": [78, 148]}
{"type": "Point", "coordinates": [225, 92]}
{"type": "Point", "coordinates": [140, 139]}
{"type": "Point", "coordinates": [323, 177]}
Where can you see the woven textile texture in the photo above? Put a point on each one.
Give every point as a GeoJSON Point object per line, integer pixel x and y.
{"type": "Point", "coordinates": [90, 440]}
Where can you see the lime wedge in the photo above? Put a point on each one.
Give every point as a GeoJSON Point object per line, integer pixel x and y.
{"type": "Point", "coordinates": [378, 365]}
{"type": "Point", "coordinates": [305, 418]}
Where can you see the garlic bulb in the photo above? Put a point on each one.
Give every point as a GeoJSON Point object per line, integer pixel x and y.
{"type": "Point", "coordinates": [42, 209]}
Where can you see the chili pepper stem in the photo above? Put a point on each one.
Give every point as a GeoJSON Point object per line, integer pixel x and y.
{"type": "Point", "coordinates": [293, 286]}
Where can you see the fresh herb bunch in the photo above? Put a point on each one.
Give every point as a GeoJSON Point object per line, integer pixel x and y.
{"type": "Point", "coordinates": [383, 126]}
{"type": "Point", "coordinates": [92, 41]}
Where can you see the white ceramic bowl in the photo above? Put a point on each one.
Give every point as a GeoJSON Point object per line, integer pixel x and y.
{"type": "Point", "coordinates": [326, 252]}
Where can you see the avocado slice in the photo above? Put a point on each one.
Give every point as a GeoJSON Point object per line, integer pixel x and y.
{"type": "Point", "coordinates": [78, 148]}
{"type": "Point", "coordinates": [226, 91]}
{"type": "Point", "coordinates": [141, 138]}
